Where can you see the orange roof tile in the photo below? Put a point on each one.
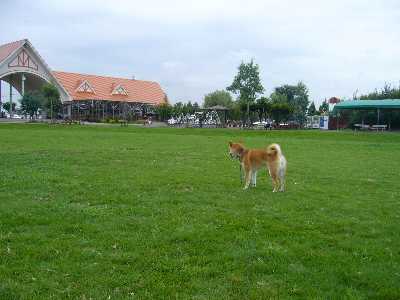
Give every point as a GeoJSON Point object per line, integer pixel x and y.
{"type": "Point", "coordinates": [7, 49]}
{"type": "Point", "coordinates": [137, 90]}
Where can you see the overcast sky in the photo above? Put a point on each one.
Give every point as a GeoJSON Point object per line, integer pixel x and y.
{"type": "Point", "coordinates": [194, 47]}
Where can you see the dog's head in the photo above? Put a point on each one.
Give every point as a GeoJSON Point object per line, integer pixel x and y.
{"type": "Point", "coordinates": [235, 150]}
{"type": "Point", "coordinates": [273, 151]}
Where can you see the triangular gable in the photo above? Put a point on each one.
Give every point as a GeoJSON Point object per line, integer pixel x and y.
{"type": "Point", "coordinates": [21, 56]}
{"type": "Point", "coordinates": [85, 87]}
{"type": "Point", "coordinates": [7, 49]}
{"type": "Point", "coordinates": [23, 60]}
{"type": "Point", "coordinates": [119, 90]}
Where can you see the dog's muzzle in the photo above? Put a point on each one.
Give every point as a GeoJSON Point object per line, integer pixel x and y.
{"type": "Point", "coordinates": [234, 156]}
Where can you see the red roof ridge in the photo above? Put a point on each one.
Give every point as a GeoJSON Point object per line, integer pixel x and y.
{"type": "Point", "coordinates": [102, 76]}
{"type": "Point", "coordinates": [15, 42]}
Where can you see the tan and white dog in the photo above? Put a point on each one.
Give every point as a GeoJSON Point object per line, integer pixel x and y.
{"type": "Point", "coordinates": [252, 160]}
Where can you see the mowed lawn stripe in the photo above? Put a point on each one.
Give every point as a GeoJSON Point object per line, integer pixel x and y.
{"type": "Point", "coordinates": [98, 212]}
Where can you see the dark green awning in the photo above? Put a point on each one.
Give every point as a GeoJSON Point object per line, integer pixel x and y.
{"type": "Point", "coordinates": [368, 104]}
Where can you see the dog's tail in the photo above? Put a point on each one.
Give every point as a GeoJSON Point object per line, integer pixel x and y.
{"type": "Point", "coordinates": [274, 149]}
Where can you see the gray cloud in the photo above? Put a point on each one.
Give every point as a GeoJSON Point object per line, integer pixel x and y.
{"type": "Point", "coordinates": [194, 47]}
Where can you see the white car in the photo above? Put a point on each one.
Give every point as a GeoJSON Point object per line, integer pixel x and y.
{"type": "Point", "coordinates": [14, 116]}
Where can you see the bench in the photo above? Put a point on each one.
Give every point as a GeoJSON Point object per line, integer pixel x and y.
{"type": "Point", "coordinates": [361, 127]}
{"type": "Point", "coordinates": [379, 127]}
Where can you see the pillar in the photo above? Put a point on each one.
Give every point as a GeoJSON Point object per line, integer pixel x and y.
{"type": "Point", "coordinates": [11, 110]}
{"type": "Point", "coordinates": [23, 84]}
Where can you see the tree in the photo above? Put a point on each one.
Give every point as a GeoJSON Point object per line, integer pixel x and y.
{"type": "Point", "coordinates": [278, 98]}
{"type": "Point", "coordinates": [189, 108]}
{"type": "Point", "coordinates": [6, 106]}
{"type": "Point", "coordinates": [297, 98]}
{"type": "Point", "coordinates": [247, 84]}
{"type": "Point", "coordinates": [177, 109]}
{"type": "Point", "coordinates": [196, 106]}
{"type": "Point", "coordinates": [311, 111]}
{"type": "Point", "coordinates": [263, 108]}
{"type": "Point", "coordinates": [281, 111]}
{"type": "Point", "coordinates": [52, 99]}
{"type": "Point", "coordinates": [324, 108]}
{"type": "Point", "coordinates": [31, 102]}
{"type": "Point", "coordinates": [164, 111]}
{"type": "Point", "coordinates": [218, 97]}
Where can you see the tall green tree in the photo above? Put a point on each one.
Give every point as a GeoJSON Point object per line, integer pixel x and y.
{"type": "Point", "coordinates": [218, 97]}
{"type": "Point", "coordinates": [52, 99]}
{"type": "Point", "coordinates": [297, 98]}
{"type": "Point", "coordinates": [311, 111]}
{"type": "Point", "coordinates": [247, 84]}
{"type": "Point", "coordinates": [31, 102]}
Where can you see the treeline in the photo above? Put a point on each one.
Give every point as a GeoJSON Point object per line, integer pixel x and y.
{"type": "Point", "coordinates": [285, 103]}
{"type": "Point", "coordinates": [387, 92]}
{"type": "Point", "coordinates": [322, 110]}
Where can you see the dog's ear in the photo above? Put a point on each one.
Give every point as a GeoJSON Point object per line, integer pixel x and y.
{"type": "Point", "coordinates": [271, 150]}
{"type": "Point", "coordinates": [230, 143]}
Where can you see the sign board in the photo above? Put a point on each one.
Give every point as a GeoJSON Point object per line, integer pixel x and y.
{"type": "Point", "coordinates": [323, 122]}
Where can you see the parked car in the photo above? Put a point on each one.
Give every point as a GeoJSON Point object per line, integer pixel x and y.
{"type": "Point", "coordinates": [14, 116]}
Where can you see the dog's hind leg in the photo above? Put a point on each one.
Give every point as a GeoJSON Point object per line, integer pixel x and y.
{"type": "Point", "coordinates": [254, 178]}
{"type": "Point", "coordinates": [282, 172]}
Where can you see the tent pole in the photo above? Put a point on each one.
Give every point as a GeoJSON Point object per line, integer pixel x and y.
{"type": "Point", "coordinates": [378, 116]}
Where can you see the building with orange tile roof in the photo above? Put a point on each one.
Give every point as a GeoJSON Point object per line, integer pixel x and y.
{"type": "Point", "coordinates": [84, 96]}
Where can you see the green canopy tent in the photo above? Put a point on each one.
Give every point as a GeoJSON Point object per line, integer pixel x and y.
{"type": "Point", "coordinates": [376, 105]}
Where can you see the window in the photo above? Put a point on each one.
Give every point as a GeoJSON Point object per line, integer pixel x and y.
{"type": "Point", "coordinates": [119, 90]}
{"type": "Point", "coordinates": [85, 87]}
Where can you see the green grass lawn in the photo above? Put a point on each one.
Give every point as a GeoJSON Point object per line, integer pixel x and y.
{"type": "Point", "coordinates": [135, 213]}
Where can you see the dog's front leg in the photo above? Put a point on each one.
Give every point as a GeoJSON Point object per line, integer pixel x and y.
{"type": "Point", "coordinates": [247, 179]}
{"type": "Point", "coordinates": [282, 182]}
{"type": "Point", "coordinates": [275, 184]}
